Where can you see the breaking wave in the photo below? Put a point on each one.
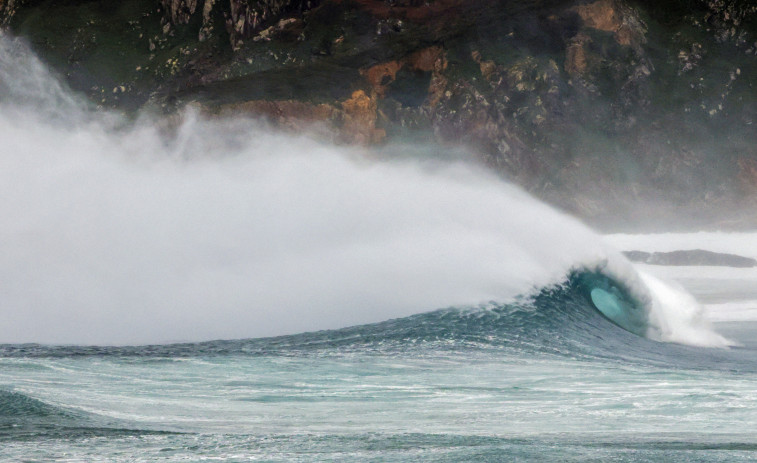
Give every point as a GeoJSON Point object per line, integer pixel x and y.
{"type": "Point", "coordinates": [134, 231]}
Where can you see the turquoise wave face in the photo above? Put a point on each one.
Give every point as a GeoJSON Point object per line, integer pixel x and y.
{"type": "Point", "coordinates": [613, 301]}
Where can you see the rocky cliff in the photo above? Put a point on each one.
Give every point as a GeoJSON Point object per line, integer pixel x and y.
{"type": "Point", "coordinates": [616, 110]}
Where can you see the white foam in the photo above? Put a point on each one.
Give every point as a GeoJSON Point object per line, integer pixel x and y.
{"type": "Point", "coordinates": [731, 311]}
{"type": "Point", "coordinates": [120, 235]}
{"type": "Point", "coordinates": [675, 316]}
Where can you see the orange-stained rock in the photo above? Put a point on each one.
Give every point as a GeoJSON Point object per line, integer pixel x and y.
{"type": "Point", "coordinates": [610, 16]}
{"type": "Point", "coordinates": [600, 15]}
{"type": "Point", "coordinates": [359, 124]}
{"type": "Point", "coordinates": [352, 121]}
{"type": "Point", "coordinates": [381, 75]}
{"type": "Point", "coordinates": [431, 59]}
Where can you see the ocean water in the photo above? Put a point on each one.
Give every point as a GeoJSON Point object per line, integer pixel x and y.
{"type": "Point", "coordinates": [210, 290]}
{"type": "Point", "coordinates": [544, 379]}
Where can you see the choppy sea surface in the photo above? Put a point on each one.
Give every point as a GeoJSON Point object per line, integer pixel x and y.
{"type": "Point", "coordinates": [547, 378]}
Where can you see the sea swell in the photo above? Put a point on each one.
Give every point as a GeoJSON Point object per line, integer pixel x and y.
{"type": "Point", "coordinates": [559, 320]}
{"type": "Point", "coordinates": [24, 418]}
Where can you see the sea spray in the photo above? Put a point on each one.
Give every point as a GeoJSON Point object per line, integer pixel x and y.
{"type": "Point", "coordinates": [116, 233]}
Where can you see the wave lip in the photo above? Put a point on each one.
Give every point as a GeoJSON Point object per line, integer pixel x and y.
{"type": "Point", "coordinates": [648, 306]}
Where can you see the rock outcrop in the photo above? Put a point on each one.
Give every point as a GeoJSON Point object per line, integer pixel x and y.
{"type": "Point", "coordinates": [691, 257]}
{"type": "Point", "coordinates": [242, 19]}
{"type": "Point", "coordinates": [601, 107]}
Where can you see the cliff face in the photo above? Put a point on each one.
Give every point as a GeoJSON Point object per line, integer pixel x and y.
{"type": "Point", "coordinates": [602, 107]}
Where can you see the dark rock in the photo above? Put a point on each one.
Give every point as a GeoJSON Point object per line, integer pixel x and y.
{"type": "Point", "coordinates": [691, 257]}
{"type": "Point", "coordinates": [615, 110]}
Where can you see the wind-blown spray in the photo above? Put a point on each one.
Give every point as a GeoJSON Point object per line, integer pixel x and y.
{"type": "Point", "coordinates": [113, 233]}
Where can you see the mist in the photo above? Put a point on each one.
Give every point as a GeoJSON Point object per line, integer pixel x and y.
{"type": "Point", "coordinates": [124, 232]}
{"type": "Point", "coordinates": [122, 238]}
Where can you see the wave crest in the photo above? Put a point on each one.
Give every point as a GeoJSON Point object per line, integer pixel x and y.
{"type": "Point", "coordinates": [115, 233]}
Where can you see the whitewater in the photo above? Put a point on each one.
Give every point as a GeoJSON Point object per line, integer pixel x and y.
{"type": "Point", "coordinates": [188, 288]}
